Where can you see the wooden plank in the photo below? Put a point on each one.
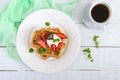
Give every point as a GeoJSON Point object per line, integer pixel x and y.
{"type": "Point", "coordinates": [108, 37]}
{"type": "Point", "coordinates": [104, 59]}
{"type": "Point", "coordinates": [64, 75]}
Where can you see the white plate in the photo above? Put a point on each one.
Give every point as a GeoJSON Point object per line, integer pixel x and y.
{"type": "Point", "coordinates": [38, 18]}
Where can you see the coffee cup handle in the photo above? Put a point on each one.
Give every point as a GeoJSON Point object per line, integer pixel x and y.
{"type": "Point", "coordinates": [102, 26]}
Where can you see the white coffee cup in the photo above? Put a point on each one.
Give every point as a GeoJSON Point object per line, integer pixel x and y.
{"type": "Point", "coordinates": [95, 23]}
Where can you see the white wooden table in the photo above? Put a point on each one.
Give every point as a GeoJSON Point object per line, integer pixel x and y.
{"type": "Point", "coordinates": [106, 65]}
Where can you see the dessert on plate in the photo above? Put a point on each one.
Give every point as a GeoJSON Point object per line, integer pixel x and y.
{"type": "Point", "coordinates": [49, 42]}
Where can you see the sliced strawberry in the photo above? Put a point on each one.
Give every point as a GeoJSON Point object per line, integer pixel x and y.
{"type": "Point", "coordinates": [53, 46]}
{"type": "Point", "coordinates": [42, 43]}
{"type": "Point", "coordinates": [59, 46]}
{"type": "Point", "coordinates": [43, 37]}
{"type": "Point", "coordinates": [61, 35]}
{"type": "Point", "coordinates": [45, 41]}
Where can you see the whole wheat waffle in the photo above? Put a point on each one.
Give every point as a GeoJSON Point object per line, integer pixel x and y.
{"type": "Point", "coordinates": [49, 52]}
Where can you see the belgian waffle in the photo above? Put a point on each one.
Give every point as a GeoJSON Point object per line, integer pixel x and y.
{"type": "Point", "coordinates": [49, 52]}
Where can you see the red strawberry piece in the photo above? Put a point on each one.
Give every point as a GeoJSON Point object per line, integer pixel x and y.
{"type": "Point", "coordinates": [53, 46]}
{"type": "Point", "coordinates": [61, 35]}
{"type": "Point", "coordinates": [42, 43]}
{"type": "Point", "coordinates": [43, 37]}
{"type": "Point", "coordinates": [59, 46]}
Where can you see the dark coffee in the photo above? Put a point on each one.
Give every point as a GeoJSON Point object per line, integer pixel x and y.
{"type": "Point", "coordinates": [100, 13]}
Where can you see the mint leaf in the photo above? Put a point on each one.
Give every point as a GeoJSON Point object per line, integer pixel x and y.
{"type": "Point", "coordinates": [42, 50]}
{"type": "Point", "coordinates": [91, 60]}
{"type": "Point", "coordinates": [56, 40]}
{"type": "Point", "coordinates": [88, 51]}
{"type": "Point", "coordinates": [47, 23]}
{"type": "Point", "coordinates": [95, 39]}
{"type": "Point", "coordinates": [89, 56]}
{"type": "Point", "coordinates": [31, 50]}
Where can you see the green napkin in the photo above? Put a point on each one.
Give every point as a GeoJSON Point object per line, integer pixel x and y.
{"type": "Point", "coordinates": [16, 10]}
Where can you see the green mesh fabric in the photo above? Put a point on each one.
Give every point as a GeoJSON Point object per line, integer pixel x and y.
{"type": "Point", "coordinates": [16, 10]}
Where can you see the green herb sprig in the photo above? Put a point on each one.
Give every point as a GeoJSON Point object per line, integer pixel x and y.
{"type": "Point", "coordinates": [58, 51]}
{"type": "Point", "coordinates": [47, 23]}
{"type": "Point", "coordinates": [31, 50]}
{"type": "Point", "coordinates": [95, 39]}
{"type": "Point", "coordinates": [42, 50]}
{"type": "Point", "coordinates": [56, 40]}
{"type": "Point", "coordinates": [88, 51]}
